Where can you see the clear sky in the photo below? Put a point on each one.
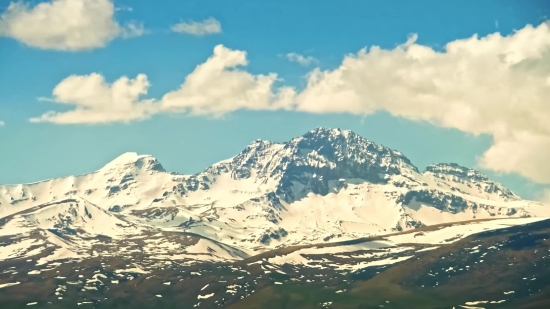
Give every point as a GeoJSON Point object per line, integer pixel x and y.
{"type": "Point", "coordinates": [193, 82]}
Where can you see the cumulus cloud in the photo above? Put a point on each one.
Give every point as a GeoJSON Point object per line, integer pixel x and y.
{"type": "Point", "coordinates": [69, 25]}
{"type": "Point", "coordinates": [199, 28]}
{"type": "Point", "coordinates": [495, 85]}
{"type": "Point", "coordinates": [218, 86]}
{"type": "Point", "coordinates": [96, 101]}
{"type": "Point", "coordinates": [214, 88]}
{"type": "Point", "coordinates": [301, 59]}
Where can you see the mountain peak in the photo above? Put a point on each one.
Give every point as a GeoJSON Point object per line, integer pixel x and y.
{"type": "Point", "coordinates": [136, 160]}
{"type": "Point", "coordinates": [335, 142]}
{"type": "Point", "coordinates": [325, 131]}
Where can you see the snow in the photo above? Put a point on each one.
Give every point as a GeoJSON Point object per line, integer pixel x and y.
{"type": "Point", "coordinates": [206, 246]}
{"type": "Point", "coordinates": [205, 296]}
{"type": "Point", "coordinates": [427, 249]}
{"type": "Point", "coordinates": [125, 158]}
{"type": "Point", "coordinates": [20, 249]}
{"type": "Point", "coordinates": [296, 257]}
{"type": "Point", "coordinates": [59, 254]}
{"type": "Point", "coordinates": [84, 215]}
{"type": "Point", "coordinates": [393, 244]}
{"type": "Point", "coordinates": [476, 302]}
{"type": "Point", "coordinates": [457, 231]}
{"type": "Point", "coordinates": [5, 285]}
{"type": "Point", "coordinates": [136, 270]}
{"type": "Point", "coordinates": [382, 262]}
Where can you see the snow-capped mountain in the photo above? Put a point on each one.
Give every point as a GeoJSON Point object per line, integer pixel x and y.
{"type": "Point", "coordinates": [328, 184]}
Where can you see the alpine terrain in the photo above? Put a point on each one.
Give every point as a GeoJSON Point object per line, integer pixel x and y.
{"type": "Point", "coordinates": [326, 220]}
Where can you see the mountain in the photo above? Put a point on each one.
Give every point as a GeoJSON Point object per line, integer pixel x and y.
{"type": "Point", "coordinates": [277, 204]}
{"type": "Point", "coordinates": [326, 184]}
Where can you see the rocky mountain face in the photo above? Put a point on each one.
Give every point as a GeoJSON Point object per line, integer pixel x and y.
{"type": "Point", "coordinates": [328, 184]}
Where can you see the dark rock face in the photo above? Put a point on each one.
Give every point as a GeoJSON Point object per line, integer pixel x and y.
{"type": "Point", "coordinates": [115, 208]}
{"type": "Point", "coordinates": [273, 208]}
{"type": "Point", "coordinates": [317, 158]}
{"type": "Point", "coordinates": [149, 164]}
{"type": "Point", "coordinates": [456, 170]}
{"type": "Point", "coordinates": [453, 203]}
{"type": "Point", "coordinates": [440, 200]}
{"type": "Point", "coordinates": [196, 182]}
{"type": "Point", "coordinates": [331, 155]}
{"type": "Point", "coordinates": [179, 189]}
{"type": "Point", "coordinates": [407, 222]}
{"type": "Point", "coordinates": [277, 234]}
{"type": "Point", "coordinates": [241, 173]}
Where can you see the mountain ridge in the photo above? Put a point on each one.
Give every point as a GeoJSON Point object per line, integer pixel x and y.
{"type": "Point", "coordinates": [325, 184]}
{"type": "Point", "coordinates": [135, 158]}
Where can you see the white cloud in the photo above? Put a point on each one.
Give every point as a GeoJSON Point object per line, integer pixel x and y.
{"type": "Point", "coordinates": [69, 25]}
{"type": "Point", "coordinates": [214, 88]}
{"type": "Point", "coordinates": [301, 59]}
{"type": "Point", "coordinates": [132, 30]}
{"type": "Point", "coordinates": [491, 85]}
{"type": "Point", "coordinates": [217, 87]}
{"type": "Point", "coordinates": [199, 28]}
{"type": "Point", "coordinates": [2, 123]}
{"type": "Point", "coordinates": [543, 196]}
{"type": "Point", "coordinates": [96, 101]}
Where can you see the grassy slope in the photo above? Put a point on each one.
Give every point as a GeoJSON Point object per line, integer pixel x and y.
{"type": "Point", "coordinates": [523, 252]}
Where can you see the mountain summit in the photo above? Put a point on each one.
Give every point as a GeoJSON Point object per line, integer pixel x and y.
{"type": "Point", "coordinates": [134, 161]}
{"type": "Point", "coordinates": [317, 161]}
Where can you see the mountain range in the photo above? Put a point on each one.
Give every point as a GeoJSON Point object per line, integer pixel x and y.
{"type": "Point", "coordinates": [329, 193]}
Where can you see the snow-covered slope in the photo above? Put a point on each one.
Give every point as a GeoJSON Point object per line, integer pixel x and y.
{"type": "Point", "coordinates": [328, 184]}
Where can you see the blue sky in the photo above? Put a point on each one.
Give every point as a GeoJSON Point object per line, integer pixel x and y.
{"type": "Point", "coordinates": [187, 138]}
